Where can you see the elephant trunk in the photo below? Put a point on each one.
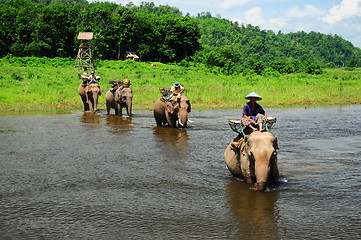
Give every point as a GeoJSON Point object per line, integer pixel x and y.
{"type": "Point", "coordinates": [95, 102]}
{"type": "Point", "coordinates": [182, 118]}
{"type": "Point", "coordinates": [260, 186]}
{"type": "Point", "coordinates": [262, 171]}
{"type": "Point", "coordinates": [129, 106]}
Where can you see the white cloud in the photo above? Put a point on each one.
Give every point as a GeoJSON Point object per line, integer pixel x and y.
{"type": "Point", "coordinates": [307, 11]}
{"type": "Point", "coordinates": [254, 17]}
{"type": "Point", "coordinates": [346, 9]}
{"type": "Point", "coordinates": [227, 4]}
{"type": "Point", "coordinates": [277, 23]}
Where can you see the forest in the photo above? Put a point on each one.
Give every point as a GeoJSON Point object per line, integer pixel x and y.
{"type": "Point", "coordinates": [49, 28]}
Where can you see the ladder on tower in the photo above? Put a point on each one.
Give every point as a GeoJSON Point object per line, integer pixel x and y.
{"type": "Point", "coordinates": [84, 60]}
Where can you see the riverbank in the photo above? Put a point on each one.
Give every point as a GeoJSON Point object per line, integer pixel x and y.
{"type": "Point", "coordinates": [29, 87]}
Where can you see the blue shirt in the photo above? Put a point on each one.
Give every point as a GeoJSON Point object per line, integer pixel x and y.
{"type": "Point", "coordinates": [247, 110]}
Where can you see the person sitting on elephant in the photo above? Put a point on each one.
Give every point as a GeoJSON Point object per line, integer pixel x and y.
{"type": "Point", "coordinates": [120, 84]}
{"type": "Point", "coordinates": [92, 78]}
{"type": "Point", "coordinates": [253, 114]}
{"type": "Point", "coordinates": [126, 82]}
{"type": "Point", "coordinates": [176, 91]}
{"type": "Point", "coordinates": [116, 85]}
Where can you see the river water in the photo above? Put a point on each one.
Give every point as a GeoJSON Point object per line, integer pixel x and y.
{"type": "Point", "coordinates": [93, 176]}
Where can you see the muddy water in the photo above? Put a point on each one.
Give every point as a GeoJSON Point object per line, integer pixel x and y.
{"type": "Point", "coordinates": [92, 176]}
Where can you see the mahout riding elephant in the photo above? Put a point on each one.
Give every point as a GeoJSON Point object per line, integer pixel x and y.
{"type": "Point", "coordinates": [171, 111]}
{"type": "Point", "coordinates": [255, 161]}
{"type": "Point", "coordinates": [89, 94]}
{"type": "Point", "coordinates": [123, 99]}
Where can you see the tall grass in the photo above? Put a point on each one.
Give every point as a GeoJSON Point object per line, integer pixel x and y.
{"type": "Point", "coordinates": [45, 86]}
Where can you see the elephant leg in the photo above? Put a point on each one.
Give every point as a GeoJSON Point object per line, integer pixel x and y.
{"type": "Point", "coordinates": [108, 108]}
{"type": "Point", "coordinates": [86, 106]}
{"type": "Point", "coordinates": [91, 105]}
{"type": "Point", "coordinates": [159, 118]}
{"type": "Point", "coordinates": [117, 109]}
{"type": "Point", "coordinates": [158, 122]}
{"type": "Point", "coordinates": [172, 121]}
{"type": "Point", "coordinates": [85, 103]}
{"type": "Point", "coordinates": [120, 110]}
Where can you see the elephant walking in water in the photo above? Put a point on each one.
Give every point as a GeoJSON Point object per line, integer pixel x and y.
{"type": "Point", "coordinates": [169, 112]}
{"type": "Point", "coordinates": [121, 98]}
{"type": "Point", "coordinates": [255, 161]}
{"type": "Point", "coordinates": [89, 94]}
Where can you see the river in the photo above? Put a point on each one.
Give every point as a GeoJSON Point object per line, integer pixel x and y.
{"type": "Point", "coordinates": [92, 176]}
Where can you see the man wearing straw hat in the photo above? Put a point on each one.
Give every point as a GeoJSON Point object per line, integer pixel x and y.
{"type": "Point", "coordinates": [252, 113]}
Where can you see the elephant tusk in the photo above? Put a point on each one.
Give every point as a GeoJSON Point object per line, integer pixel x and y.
{"type": "Point", "coordinates": [180, 123]}
{"type": "Point", "coordinates": [190, 121]}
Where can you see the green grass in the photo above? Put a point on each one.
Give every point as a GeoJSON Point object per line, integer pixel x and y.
{"type": "Point", "coordinates": [44, 85]}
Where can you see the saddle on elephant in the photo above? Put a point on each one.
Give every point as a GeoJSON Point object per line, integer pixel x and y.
{"type": "Point", "coordinates": [120, 84]}
{"type": "Point", "coordinates": [165, 92]}
{"type": "Point", "coordinates": [170, 96]}
{"type": "Point", "coordinates": [244, 131]}
{"type": "Point", "coordinates": [116, 84]}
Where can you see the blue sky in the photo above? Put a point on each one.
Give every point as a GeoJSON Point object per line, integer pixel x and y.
{"type": "Point", "coordinates": [341, 17]}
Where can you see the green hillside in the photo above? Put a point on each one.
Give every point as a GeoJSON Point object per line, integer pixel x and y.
{"type": "Point", "coordinates": [48, 28]}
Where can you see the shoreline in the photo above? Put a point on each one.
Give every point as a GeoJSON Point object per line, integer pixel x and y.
{"type": "Point", "coordinates": [65, 110]}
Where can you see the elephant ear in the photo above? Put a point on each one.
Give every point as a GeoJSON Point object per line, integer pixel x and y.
{"type": "Point", "coordinates": [189, 106]}
{"type": "Point", "coordinates": [169, 107]}
{"type": "Point", "coordinates": [275, 144]}
{"type": "Point", "coordinates": [183, 100]}
{"type": "Point", "coordinates": [247, 148]}
{"type": "Point", "coordinates": [243, 147]}
{"type": "Point", "coordinates": [117, 95]}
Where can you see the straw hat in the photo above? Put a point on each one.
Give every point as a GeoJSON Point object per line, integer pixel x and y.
{"type": "Point", "coordinates": [253, 95]}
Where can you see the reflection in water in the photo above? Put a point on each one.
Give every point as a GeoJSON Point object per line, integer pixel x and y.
{"type": "Point", "coordinates": [173, 142]}
{"type": "Point", "coordinates": [256, 212]}
{"type": "Point", "coordinates": [119, 124]}
{"type": "Point", "coordinates": [92, 118]}
{"type": "Point", "coordinates": [171, 136]}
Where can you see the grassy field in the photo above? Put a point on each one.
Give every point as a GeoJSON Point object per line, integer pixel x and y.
{"type": "Point", "coordinates": [30, 84]}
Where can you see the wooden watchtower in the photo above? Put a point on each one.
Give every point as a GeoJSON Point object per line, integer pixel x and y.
{"type": "Point", "coordinates": [84, 59]}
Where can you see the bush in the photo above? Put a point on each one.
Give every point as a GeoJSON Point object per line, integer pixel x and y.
{"type": "Point", "coordinates": [270, 72]}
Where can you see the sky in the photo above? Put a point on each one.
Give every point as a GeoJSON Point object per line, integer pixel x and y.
{"type": "Point", "coordinates": [341, 17]}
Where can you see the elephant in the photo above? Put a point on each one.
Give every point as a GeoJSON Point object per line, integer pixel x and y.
{"type": "Point", "coordinates": [89, 94]}
{"type": "Point", "coordinates": [110, 101]}
{"type": "Point", "coordinates": [118, 100]}
{"type": "Point", "coordinates": [255, 161]}
{"type": "Point", "coordinates": [123, 98]}
{"type": "Point", "coordinates": [169, 111]}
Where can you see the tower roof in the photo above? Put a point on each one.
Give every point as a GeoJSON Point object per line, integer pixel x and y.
{"type": "Point", "coordinates": [86, 36]}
